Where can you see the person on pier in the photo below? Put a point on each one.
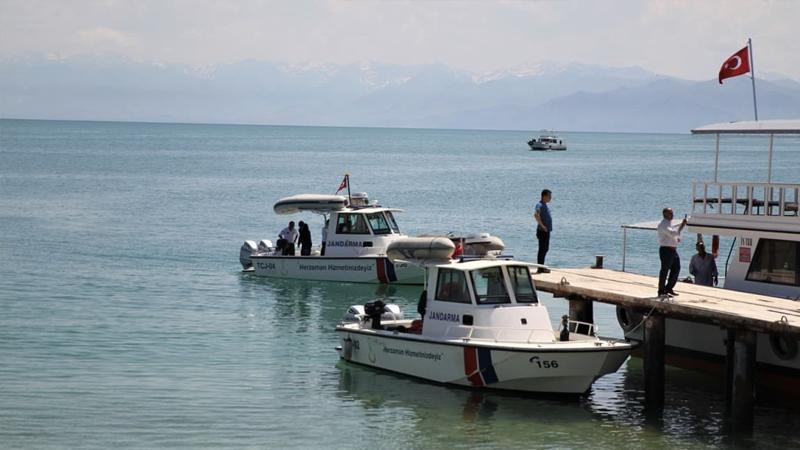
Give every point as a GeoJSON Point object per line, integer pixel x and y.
{"type": "Point", "coordinates": [544, 226]}
{"type": "Point", "coordinates": [668, 239]}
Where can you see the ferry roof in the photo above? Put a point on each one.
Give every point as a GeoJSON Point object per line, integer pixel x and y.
{"type": "Point", "coordinates": [791, 126]}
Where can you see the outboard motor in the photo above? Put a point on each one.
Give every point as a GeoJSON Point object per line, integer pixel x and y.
{"type": "Point", "coordinates": [265, 245]}
{"type": "Point", "coordinates": [245, 252]}
{"type": "Point", "coordinates": [357, 313]}
{"type": "Point", "coordinates": [374, 310]}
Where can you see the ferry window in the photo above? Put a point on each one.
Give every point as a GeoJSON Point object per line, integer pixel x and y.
{"type": "Point", "coordinates": [522, 285]}
{"type": "Point", "coordinates": [351, 224]}
{"type": "Point", "coordinates": [776, 262]}
{"type": "Point", "coordinates": [451, 286]}
{"type": "Point", "coordinates": [489, 286]}
{"type": "Point", "coordinates": [378, 223]}
{"type": "Point", "coordinates": [392, 223]}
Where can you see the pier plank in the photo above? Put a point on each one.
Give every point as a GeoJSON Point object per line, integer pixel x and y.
{"type": "Point", "coordinates": [732, 309]}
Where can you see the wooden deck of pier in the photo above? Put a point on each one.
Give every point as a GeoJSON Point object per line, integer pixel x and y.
{"type": "Point", "coordinates": [730, 309]}
{"type": "Point", "coordinates": [742, 314]}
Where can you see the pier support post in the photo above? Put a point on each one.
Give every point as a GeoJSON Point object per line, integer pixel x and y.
{"type": "Point", "coordinates": [581, 310]}
{"type": "Point", "coordinates": [741, 369]}
{"type": "Point", "coordinates": [654, 334]}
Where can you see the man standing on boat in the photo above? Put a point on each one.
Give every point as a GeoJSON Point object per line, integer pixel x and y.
{"type": "Point", "coordinates": [668, 239]}
{"type": "Point", "coordinates": [289, 236]}
{"type": "Point", "coordinates": [544, 226]}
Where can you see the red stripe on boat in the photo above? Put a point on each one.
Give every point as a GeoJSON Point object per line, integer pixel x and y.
{"type": "Point", "coordinates": [471, 366]}
{"type": "Point", "coordinates": [380, 266]}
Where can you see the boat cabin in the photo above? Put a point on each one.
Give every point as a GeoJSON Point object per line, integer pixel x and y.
{"type": "Point", "coordinates": [480, 299]}
{"type": "Point", "coordinates": [762, 217]}
{"type": "Point", "coordinates": [352, 227]}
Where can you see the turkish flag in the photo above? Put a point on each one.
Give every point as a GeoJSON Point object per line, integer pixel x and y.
{"type": "Point", "coordinates": [738, 64]}
{"type": "Point", "coordinates": [344, 184]}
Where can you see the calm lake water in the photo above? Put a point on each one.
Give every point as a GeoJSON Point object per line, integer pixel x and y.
{"type": "Point", "coordinates": [125, 320]}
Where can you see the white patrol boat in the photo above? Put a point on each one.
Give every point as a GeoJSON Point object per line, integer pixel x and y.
{"type": "Point", "coordinates": [357, 234]}
{"type": "Point", "coordinates": [764, 257]}
{"type": "Point", "coordinates": [482, 326]}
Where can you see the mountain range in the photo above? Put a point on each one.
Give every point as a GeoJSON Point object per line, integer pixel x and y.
{"type": "Point", "coordinates": [569, 97]}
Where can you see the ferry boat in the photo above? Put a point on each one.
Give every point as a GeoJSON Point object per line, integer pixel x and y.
{"type": "Point", "coordinates": [358, 233]}
{"type": "Point", "coordinates": [764, 259]}
{"type": "Point", "coordinates": [547, 142]}
{"type": "Point", "coordinates": [481, 326]}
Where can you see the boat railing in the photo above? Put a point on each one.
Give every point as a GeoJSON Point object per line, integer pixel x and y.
{"type": "Point", "coordinates": [745, 199]}
{"type": "Point", "coordinates": [578, 327]}
{"type": "Point", "coordinates": [500, 334]}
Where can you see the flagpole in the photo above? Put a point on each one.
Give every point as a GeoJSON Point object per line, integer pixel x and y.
{"type": "Point", "coordinates": [349, 197]}
{"type": "Point", "coordinates": [752, 76]}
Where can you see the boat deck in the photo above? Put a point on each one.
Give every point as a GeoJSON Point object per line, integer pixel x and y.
{"type": "Point", "coordinates": [727, 308]}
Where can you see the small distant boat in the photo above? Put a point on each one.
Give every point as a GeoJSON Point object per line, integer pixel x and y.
{"type": "Point", "coordinates": [546, 142]}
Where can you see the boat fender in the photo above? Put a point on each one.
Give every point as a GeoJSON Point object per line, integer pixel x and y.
{"type": "Point", "coordinates": [783, 347]}
{"type": "Point", "coordinates": [564, 337]}
{"type": "Point", "coordinates": [422, 304]}
{"type": "Point", "coordinates": [347, 349]}
{"type": "Point", "coordinates": [245, 252]}
{"type": "Point", "coordinates": [627, 318]}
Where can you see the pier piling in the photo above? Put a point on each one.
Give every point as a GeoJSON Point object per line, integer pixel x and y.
{"type": "Point", "coordinates": [581, 310]}
{"type": "Point", "coordinates": [654, 334]}
{"type": "Point", "coordinates": [741, 368]}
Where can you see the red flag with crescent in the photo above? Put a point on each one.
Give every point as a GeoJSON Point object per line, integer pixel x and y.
{"type": "Point", "coordinates": [343, 185]}
{"type": "Point", "coordinates": [738, 64]}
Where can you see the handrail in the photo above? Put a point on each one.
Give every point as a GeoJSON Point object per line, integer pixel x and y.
{"type": "Point", "coordinates": [591, 328]}
{"type": "Point", "coordinates": [758, 199]}
{"type": "Point", "coordinates": [497, 333]}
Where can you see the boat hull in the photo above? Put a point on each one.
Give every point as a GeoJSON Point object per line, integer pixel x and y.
{"type": "Point", "coordinates": [547, 147]}
{"type": "Point", "coordinates": [323, 268]}
{"type": "Point", "coordinates": [702, 347]}
{"type": "Point", "coordinates": [568, 371]}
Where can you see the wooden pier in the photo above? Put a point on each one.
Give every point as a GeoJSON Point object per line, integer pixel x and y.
{"type": "Point", "coordinates": [742, 314]}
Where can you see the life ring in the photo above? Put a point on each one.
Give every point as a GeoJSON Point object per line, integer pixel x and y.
{"type": "Point", "coordinates": [628, 319]}
{"type": "Point", "coordinates": [783, 347]}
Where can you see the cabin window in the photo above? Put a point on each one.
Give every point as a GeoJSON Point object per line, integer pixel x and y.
{"type": "Point", "coordinates": [378, 223]}
{"type": "Point", "coordinates": [451, 286]}
{"type": "Point", "coordinates": [521, 283]}
{"type": "Point", "coordinates": [489, 286]}
{"type": "Point", "coordinates": [776, 262]}
{"type": "Point", "coordinates": [392, 223]}
{"type": "Point", "coordinates": [351, 224]}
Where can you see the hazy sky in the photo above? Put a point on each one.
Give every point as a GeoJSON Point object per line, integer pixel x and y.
{"type": "Point", "coordinates": [685, 38]}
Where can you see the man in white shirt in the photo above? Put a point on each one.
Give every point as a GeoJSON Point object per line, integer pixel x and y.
{"type": "Point", "coordinates": [668, 239]}
{"type": "Point", "coordinates": [289, 235]}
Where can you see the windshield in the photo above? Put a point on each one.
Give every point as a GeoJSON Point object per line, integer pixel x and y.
{"type": "Point", "coordinates": [489, 286]}
{"type": "Point", "coordinates": [378, 223]}
{"type": "Point", "coordinates": [522, 285]}
{"type": "Point", "coordinates": [393, 224]}
{"type": "Point", "coordinates": [351, 224]}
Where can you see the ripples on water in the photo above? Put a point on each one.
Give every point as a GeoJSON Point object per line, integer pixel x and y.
{"type": "Point", "coordinates": [126, 322]}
